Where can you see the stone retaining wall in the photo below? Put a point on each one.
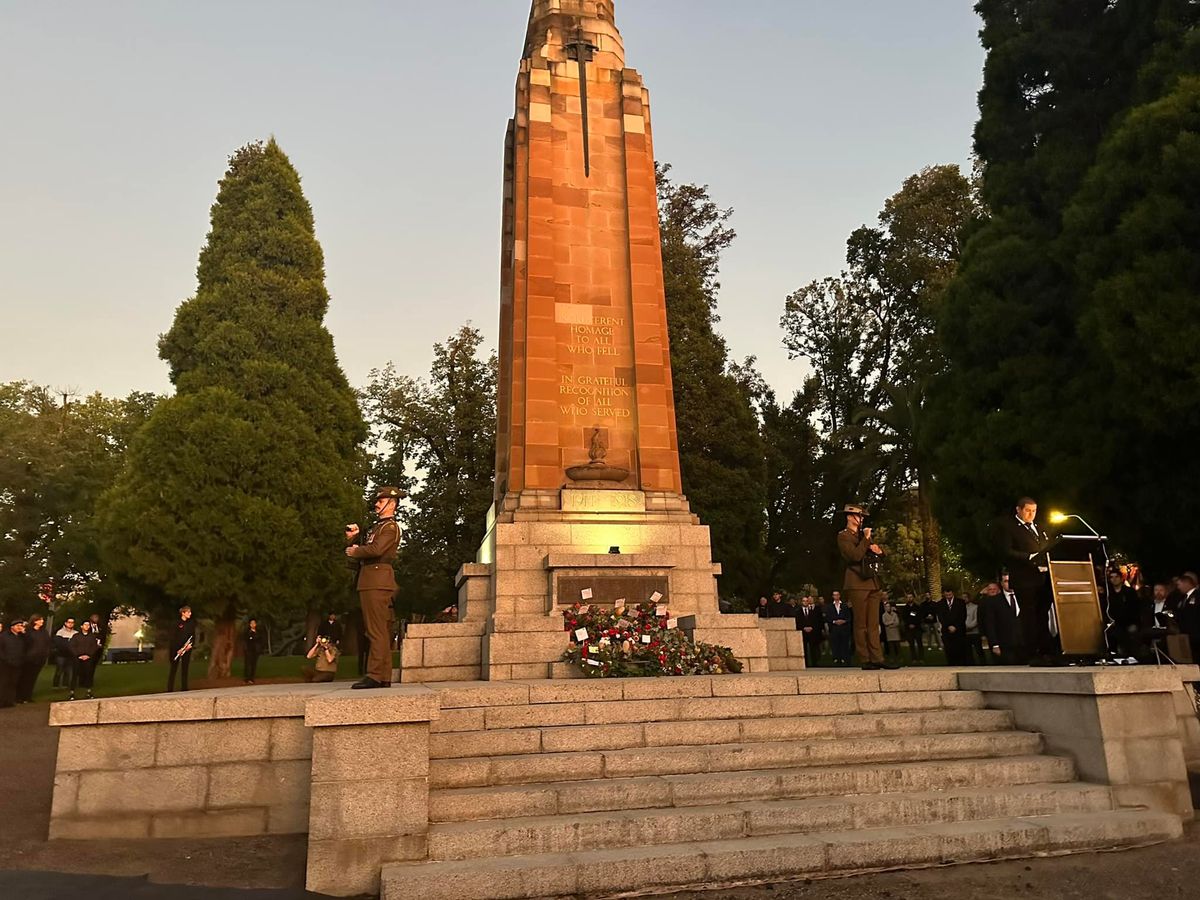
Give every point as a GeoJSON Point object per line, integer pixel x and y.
{"type": "Point", "coordinates": [202, 764]}
{"type": "Point", "coordinates": [1122, 726]}
{"type": "Point", "coordinates": [247, 761]}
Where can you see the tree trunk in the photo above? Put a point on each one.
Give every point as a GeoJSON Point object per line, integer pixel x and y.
{"type": "Point", "coordinates": [931, 538]}
{"type": "Point", "coordinates": [220, 660]}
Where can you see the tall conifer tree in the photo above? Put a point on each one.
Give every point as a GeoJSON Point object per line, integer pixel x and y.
{"type": "Point", "coordinates": [721, 452]}
{"type": "Point", "coordinates": [1022, 409]}
{"type": "Point", "coordinates": [235, 493]}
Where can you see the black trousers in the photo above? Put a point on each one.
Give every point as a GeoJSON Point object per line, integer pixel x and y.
{"type": "Point", "coordinates": [180, 665]}
{"type": "Point", "coordinates": [250, 664]}
{"type": "Point", "coordinates": [83, 674]}
{"type": "Point", "coordinates": [9, 676]}
{"type": "Point", "coordinates": [976, 655]}
{"type": "Point", "coordinates": [812, 651]}
{"type": "Point", "coordinates": [916, 650]}
{"type": "Point", "coordinates": [62, 671]}
{"type": "Point", "coordinates": [28, 680]}
{"type": "Point", "coordinates": [1012, 655]}
{"type": "Point", "coordinates": [841, 645]}
{"type": "Point", "coordinates": [957, 651]}
{"type": "Point", "coordinates": [1035, 622]}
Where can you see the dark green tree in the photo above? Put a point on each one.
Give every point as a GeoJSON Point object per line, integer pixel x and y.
{"type": "Point", "coordinates": [1134, 232]}
{"type": "Point", "coordinates": [235, 493]}
{"type": "Point", "coordinates": [721, 452]}
{"type": "Point", "coordinates": [437, 437]}
{"type": "Point", "coordinates": [870, 337]}
{"type": "Point", "coordinates": [58, 458]}
{"type": "Point", "coordinates": [800, 493]}
{"type": "Point", "coordinates": [1024, 405]}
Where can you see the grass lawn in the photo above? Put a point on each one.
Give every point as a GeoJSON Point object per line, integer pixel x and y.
{"type": "Point", "coordinates": [126, 679]}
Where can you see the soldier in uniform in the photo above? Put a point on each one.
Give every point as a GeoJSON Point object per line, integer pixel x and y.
{"type": "Point", "coordinates": [861, 587]}
{"type": "Point", "coordinates": [376, 584]}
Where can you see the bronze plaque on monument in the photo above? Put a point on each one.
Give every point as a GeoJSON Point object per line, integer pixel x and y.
{"type": "Point", "coordinates": [608, 589]}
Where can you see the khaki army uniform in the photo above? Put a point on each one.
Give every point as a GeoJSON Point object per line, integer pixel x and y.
{"type": "Point", "coordinates": [376, 586]}
{"type": "Point", "coordinates": [862, 589]}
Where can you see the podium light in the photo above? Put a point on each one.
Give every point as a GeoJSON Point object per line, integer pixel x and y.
{"type": "Point", "coordinates": [1057, 518]}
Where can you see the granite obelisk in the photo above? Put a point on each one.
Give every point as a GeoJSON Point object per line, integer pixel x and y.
{"type": "Point", "coordinates": [588, 496]}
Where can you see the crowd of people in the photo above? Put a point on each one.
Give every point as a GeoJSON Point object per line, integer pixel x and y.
{"type": "Point", "coordinates": [26, 647]}
{"type": "Point", "coordinates": [1011, 621]}
{"type": "Point", "coordinates": [1145, 616]}
{"type": "Point", "coordinates": [948, 624]}
{"type": "Point", "coordinates": [982, 628]}
{"type": "Point", "coordinates": [75, 650]}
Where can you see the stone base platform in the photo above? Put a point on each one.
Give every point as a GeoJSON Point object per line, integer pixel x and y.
{"type": "Point", "coordinates": [544, 548]}
{"type": "Point", "coordinates": [594, 787]}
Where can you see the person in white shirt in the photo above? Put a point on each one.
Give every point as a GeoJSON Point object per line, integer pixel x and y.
{"type": "Point", "coordinates": [63, 660]}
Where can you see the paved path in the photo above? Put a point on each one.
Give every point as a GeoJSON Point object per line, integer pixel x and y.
{"type": "Point", "coordinates": [32, 868]}
{"type": "Point", "coordinates": [59, 886]}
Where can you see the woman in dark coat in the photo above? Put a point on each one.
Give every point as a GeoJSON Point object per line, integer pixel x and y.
{"type": "Point", "coordinates": [12, 654]}
{"type": "Point", "coordinates": [254, 642]}
{"type": "Point", "coordinates": [85, 650]}
{"type": "Point", "coordinates": [37, 650]}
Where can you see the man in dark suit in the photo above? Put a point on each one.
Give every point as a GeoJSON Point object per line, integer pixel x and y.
{"type": "Point", "coordinates": [952, 614]}
{"type": "Point", "coordinates": [910, 624]}
{"type": "Point", "coordinates": [1002, 623]}
{"type": "Point", "coordinates": [1021, 547]}
{"type": "Point", "coordinates": [810, 623]}
{"type": "Point", "coordinates": [1124, 610]}
{"type": "Point", "coordinates": [1189, 611]}
{"type": "Point", "coordinates": [839, 621]}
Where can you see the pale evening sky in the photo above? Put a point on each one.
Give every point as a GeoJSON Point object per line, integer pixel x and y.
{"type": "Point", "coordinates": [116, 120]}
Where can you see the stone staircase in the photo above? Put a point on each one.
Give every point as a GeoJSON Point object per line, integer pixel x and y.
{"type": "Point", "coordinates": [776, 778]}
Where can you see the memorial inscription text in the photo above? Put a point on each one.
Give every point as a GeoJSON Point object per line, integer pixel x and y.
{"type": "Point", "coordinates": [600, 345]}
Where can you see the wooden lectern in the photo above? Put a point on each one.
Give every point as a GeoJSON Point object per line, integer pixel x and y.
{"type": "Point", "coordinates": [1081, 618]}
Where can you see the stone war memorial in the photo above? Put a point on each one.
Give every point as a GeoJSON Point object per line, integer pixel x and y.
{"type": "Point", "coordinates": [491, 772]}
{"type": "Point", "coordinates": [588, 491]}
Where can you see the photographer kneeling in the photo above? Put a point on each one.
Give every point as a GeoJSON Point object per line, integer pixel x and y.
{"type": "Point", "coordinates": [326, 655]}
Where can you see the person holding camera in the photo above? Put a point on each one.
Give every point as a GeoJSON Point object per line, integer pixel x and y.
{"type": "Point", "coordinates": [326, 654]}
{"type": "Point", "coordinates": [861, 586]}
{"type": "Point", "coordinates": [376, 585]}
